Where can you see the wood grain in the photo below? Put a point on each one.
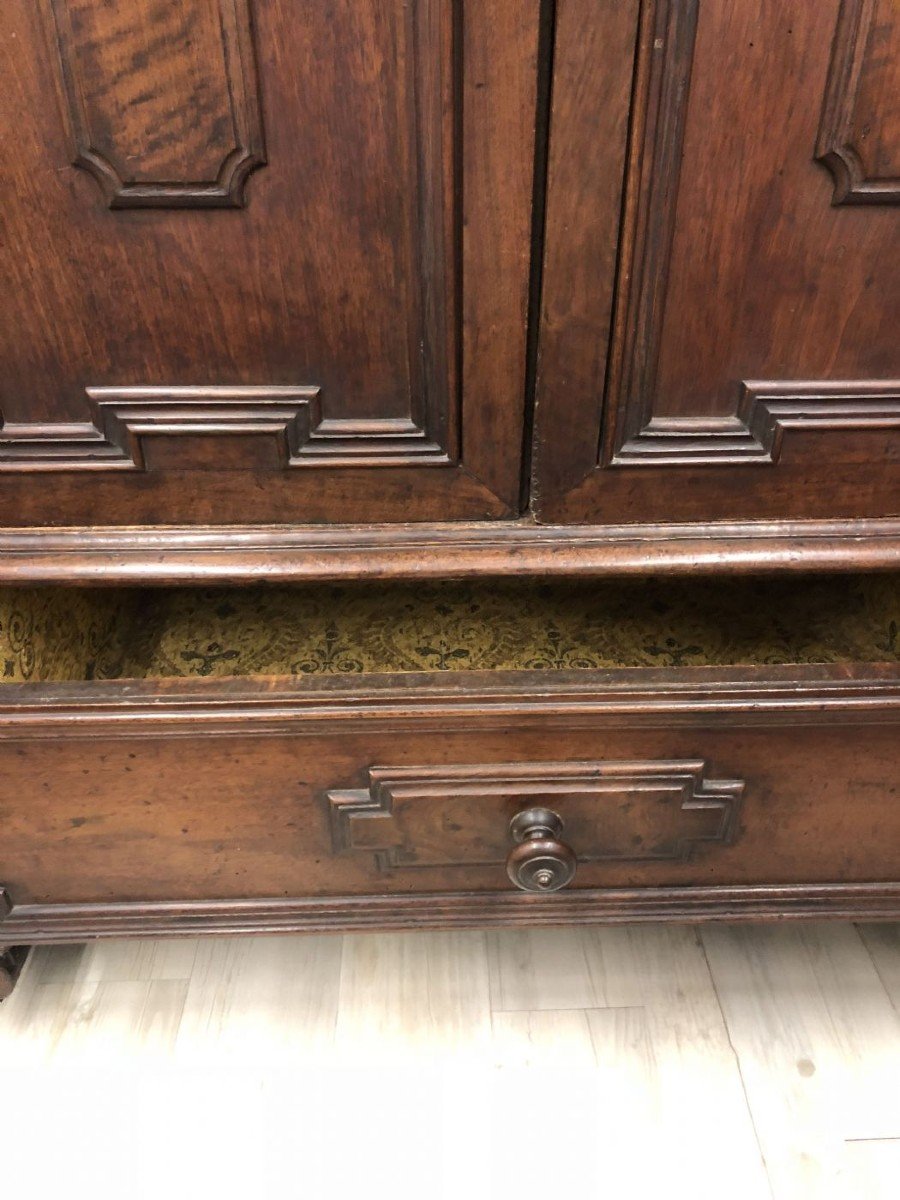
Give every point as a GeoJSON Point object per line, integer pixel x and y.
{"type": "Point", "coordinates": [859, 137]}
{"type": "Point", "coordinates": [439, 1057]}
{"type": "Point", "coordinates": [749, 322]}
{"type": "Point", "coordinates": [107, 556]}
{"type": "Point", "coordinates": [370, 249]}
{"type": "Point", "coordinates": [219, 791]}
{"type": "Point", "coordinates": [162, 99]}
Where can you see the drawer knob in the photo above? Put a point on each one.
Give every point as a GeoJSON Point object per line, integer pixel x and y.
{"type": "Point", "coordinates": [539, 862]}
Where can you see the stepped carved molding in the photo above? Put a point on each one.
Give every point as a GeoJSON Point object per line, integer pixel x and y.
{"type": "Point", "coordinates": [765, 412]}
{"type": "Point", "coordinates": [123, 420]}
{"type": "Point", "coordinates": [458, 816]}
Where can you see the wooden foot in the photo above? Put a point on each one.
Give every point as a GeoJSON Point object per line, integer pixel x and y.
{"type": "Point", "coordinates": [12, 960]}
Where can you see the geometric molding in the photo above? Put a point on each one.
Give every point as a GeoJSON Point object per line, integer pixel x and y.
{"type": "Point", "coordinates": [458, 816]}
{"type": "Point", "coordinates": [863, 84]}
{"type": "Point", "coordinates": [162, 100]}
{"type": "Point", "coordinates": [123, 418]}
{"type": "Point", "coordinates": [765, 411]}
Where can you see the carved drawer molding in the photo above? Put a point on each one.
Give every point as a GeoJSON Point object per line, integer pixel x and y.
{"type": "Point", "coordinates": [458, 816]}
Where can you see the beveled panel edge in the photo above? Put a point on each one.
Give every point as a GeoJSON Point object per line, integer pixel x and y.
{"type": "Point", "coordinates": [60, 923]}
{"type": "Point", "coordinates": [120, 555]}
{"type": "Point", "coordinates": [248, 154]}
{"type": "Point", "coordinates": [836, 145]}
{"type": "Point", "coordinates": [663, 69]}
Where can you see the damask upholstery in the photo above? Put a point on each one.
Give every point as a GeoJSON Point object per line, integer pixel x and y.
{"type": "Point", "coordinates": [58, 633]}
{"type": "Point", "coordinates": [48, 634]}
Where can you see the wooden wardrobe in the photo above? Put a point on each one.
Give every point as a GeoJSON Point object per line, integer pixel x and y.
{"type": "Point", "coordinates": [448, 286]}
{"type": "Point", "coordinates": [362, 293]}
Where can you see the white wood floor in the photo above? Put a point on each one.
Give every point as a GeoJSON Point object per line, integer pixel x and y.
{"type": "Point", "coordinates": [646, 1061]}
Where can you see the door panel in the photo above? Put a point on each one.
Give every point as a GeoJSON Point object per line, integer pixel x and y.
{"type": "Point", "coordinates": [264, 260]}
{"type": "Point", "coordinates": [721, 298]}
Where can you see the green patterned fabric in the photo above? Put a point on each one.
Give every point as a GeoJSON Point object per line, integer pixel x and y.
{"type": "Point", "coordinates": [48, 634]}
{"type": "Point", "coordinates": [55, 633]}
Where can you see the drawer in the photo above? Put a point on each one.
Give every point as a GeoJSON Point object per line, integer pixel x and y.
{"type": "Point", "coordinates": [590, 769]}
{"type": "Point", "coordinates": [225, 804]}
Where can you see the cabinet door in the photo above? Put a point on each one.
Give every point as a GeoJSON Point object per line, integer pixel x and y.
{"type": "Point", "coordinates": [720, 333]}
{"type": "Point", "coordinates": [264, 260]}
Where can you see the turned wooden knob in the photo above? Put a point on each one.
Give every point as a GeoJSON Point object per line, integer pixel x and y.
{"type": "Point", "coordinates": [539, 862]}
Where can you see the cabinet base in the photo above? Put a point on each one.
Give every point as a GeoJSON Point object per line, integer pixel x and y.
{"type": "Point", "coordinates": [12, 960]}
{"type": "Point", "coordinates": [58, 923]}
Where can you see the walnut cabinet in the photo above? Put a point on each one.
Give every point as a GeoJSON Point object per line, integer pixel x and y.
{"type": "Point", "coordinates": [448, 286]}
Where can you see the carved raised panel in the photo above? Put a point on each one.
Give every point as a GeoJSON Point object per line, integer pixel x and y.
{"type": "Point", "coordinates": [151, 135]}
{"type": "Point", "coordinates": [125, 419]}
{"type": "Point", "coordinates": [162, 98]}
{"type": "Point", "coordinates": [859, 136]}
{"type": "Point", "coordinates": [458, 816]}
{"type": "Point", "coordinates": [753, 435]}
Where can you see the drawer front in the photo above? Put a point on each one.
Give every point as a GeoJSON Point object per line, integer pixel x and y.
{"type": "Point", "coordinates": [238, 794]}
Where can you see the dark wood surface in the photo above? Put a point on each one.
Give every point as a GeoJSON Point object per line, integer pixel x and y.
{"type": "Point", "coordinates": [264, 262]}
{"type": "Point", "coordinates": [403, 786]}
{"type": "Point", "coordinates": [12, 959]}
{"type": "Point", "coordinates": [731, 348]}
{"type": "Point", "coordinates": [858, 136]}
{"type": "Point", "coordinates": [269, 269]}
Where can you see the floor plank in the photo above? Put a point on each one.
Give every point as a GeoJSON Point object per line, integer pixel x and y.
{"type": "Point", "coordinates": [539, 969]}
{"type": "Point", "coordinates": [882, 940]}
{"type": "Point", "coordinates": [542, 1038]}
{"type": "Point", "coordinates": [407, 995]}
{"type": "Point", "coordinates": [651, 1059]}
{"type": "Point", "coordinates": [816, 1042]}
{"type": "Point", "coordinates": [663, 965]}
{"type": "Point", "coordinates": [875, 1168]}
{"type": "Point", "coordinates": [139, 958]}
{"type": "Point", "coordinates": [260, 1000]}
{"type": "Point", "coordinates": [676, 1121]}
{"type": "Point", "coordinates": [103, 1023]}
